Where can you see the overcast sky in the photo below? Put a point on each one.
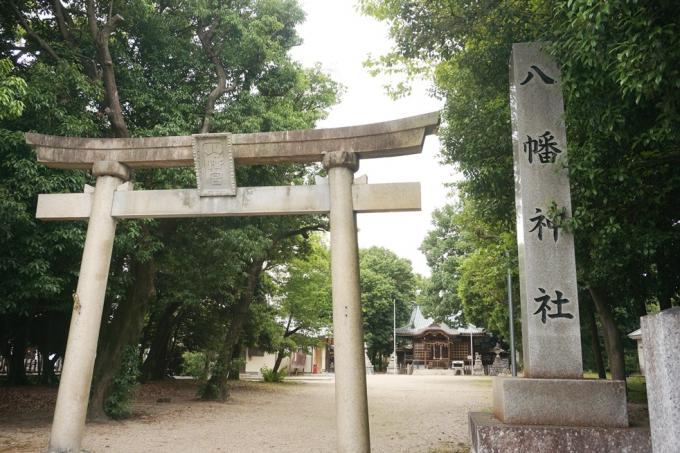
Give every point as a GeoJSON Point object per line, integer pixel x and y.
{"type": "Point", "coordinates": [339, 38]}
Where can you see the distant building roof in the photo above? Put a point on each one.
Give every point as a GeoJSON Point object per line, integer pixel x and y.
{"type": "Point", "coordinates": [635, 335]}
{"type": "Point", "coordinates": [418, 324]}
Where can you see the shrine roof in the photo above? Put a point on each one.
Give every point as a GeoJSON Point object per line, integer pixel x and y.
{"type": "Point", "coordinates": [419, 324]}
{"type": "Point", "coordinates": [635, 335]}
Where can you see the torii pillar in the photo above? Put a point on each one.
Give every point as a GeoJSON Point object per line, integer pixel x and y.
{"type": "Point", "coordinates": [88, 304]}
{"type": "Point", "coordinates": [351, 405]}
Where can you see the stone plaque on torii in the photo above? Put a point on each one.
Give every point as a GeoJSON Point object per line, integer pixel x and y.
{"type": "Point", "coordinates": [214, 157]}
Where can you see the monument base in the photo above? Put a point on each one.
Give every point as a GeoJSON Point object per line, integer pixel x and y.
{"type": "Point", "coordinates": [489, 435]}
{"type": "Point", "coordinates": [560, 402]}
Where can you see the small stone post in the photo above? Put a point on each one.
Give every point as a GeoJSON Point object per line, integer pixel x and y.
{"type": "Point", "coordinates": [351, 405]}
{"type": "Point", "coordinates": [88, 303]}
{"type": "Point", "coordinates": [661, 342]}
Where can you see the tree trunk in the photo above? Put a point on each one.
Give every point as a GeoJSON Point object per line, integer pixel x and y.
{"type": "Point", "coordinates": [667, 276]}
{"type": "Point", "coordinates": [16, 371]}
{"type": "Point", "coordinates": [595, 341]}
{"type": "Point", "coordinates": [612, 336]}
{"type": "Point", "coordinates": [156, 362]}
{"type": "Point", "coordinates": [216, 388]}
{"type": "Point", "coordinates": [205, 35]}
{"type": "Point", "coordinates": [280, 354]}
{"type": "Point", "coordinates": [125, 329]}
{"type": "Point", "coordinates": [100, 36]}
{"type": "Point", "coordinates": [234, 369]}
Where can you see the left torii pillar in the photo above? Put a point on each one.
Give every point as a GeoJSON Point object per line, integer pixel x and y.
{"type": "Point", "coordinates": [88, 304]}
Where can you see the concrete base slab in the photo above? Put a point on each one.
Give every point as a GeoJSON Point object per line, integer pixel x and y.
{"type": "Point", "coordinates": [560, 402]}
{"type": "Point", "coordinates": [489, 435]}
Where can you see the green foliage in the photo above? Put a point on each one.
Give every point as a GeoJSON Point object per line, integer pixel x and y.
{"type": "Point", "coordinates": [620, 65]}
{"type": "Point", "coordinates": [12, 89]}
{"type": "Point", "coordinates": [303, 291]}
{"type": "Point", "coordinates": [300, 308]}
{"type": "Point", "coordinates": [637, 389]}
{"type": "Point", "coordinates": [469, 261]}
{"type": "Point", "coordinates": [385, 279]}
{"type": "Point", "coordinates": [270, 375]}
{"type": "Point", "coordinates": [119, 399]}
{"type": "Point", "coordinates": [164, 75]}
{"type": "Point", "coordinates": [195, 364]}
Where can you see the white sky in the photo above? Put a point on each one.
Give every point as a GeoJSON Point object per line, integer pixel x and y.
{"type": "Point", "coordinates": [338, 37]}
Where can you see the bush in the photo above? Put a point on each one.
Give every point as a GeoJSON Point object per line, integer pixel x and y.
{"type": "Point", "coordinates": [270, 375]}
{"type": "Point", "coordinates": [117, 403]}
{"type": "Point", "coordinates": [195, 364]}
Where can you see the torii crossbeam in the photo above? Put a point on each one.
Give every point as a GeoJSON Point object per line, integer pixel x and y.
{"type": "Point", "coordinates": [215, 156]}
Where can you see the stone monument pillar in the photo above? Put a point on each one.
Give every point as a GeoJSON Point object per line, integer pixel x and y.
{"type": "Point", "coordinates": [88, 303]}
{"type": "Point", "coordinates": [351, 404]}
{"type": "Point", "coordinates": [661, 342]}
{"type": "Point", "coordinates": [551, 406]}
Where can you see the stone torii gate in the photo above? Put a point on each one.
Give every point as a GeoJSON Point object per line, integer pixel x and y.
{"type": "Point", "coordinates": [215, 156]}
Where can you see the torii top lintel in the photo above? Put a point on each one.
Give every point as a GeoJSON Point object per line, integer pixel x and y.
{"type": "Point", "coordinates": [390, 138]}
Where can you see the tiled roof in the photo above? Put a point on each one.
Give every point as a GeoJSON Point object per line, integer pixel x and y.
{"type": "Point", "coordinates": [419, 324]}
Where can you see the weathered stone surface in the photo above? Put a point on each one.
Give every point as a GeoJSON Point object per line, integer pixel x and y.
{"type": "Point", "coordinates": [551, 334]}
{"type": "Point", "coordinates": [488, 435]}
{"type": "Point", "coordinates": [111, 168]}
{"type": "Point", "coordinates": [392, 367]}
{"type": "Point", "coordinates": [351, 402]}
{"type": "Point", "coordinates": [499, 367]}
{"type": "Point", "coordinates": [661, 342]}
{"type": "Point", "coordinates": [248, 201]}
{"type": "Point", "coordinates": [340, 159]}
{"type": "Point", "coordinates": [214, 164]}
{"type": "Point", "coordinates": [390, 138]}
{"type": "Point", "coordinates": [561, 402]}
{"type": "Point", "coordinates": [88, 304]}
{"type": "Point", "coordinates": [478, 368]}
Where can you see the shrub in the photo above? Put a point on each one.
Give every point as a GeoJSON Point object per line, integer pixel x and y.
{"type": "Point", "coordinates": [195, 364]}
{"type": "Point", "coordinates": [117, 403]}
{"type": "Point", "coordinates": [270, 375]}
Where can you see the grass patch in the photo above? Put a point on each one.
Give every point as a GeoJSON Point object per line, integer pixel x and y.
{"type": "Point", "coordinates": [449, 447]}
{"type": "Point", "coordinates": [637, 389]}
{"type": "Point", "coordinates": [487, 382]}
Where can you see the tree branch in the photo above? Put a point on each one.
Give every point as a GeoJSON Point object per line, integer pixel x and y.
{"type": "Point", "coordinates": [301, 231]}
{"type": "Point", "coordinates": [32, 34]}
{"type": "Point", "coordinates": [64, 29]}
{"type": "Point", "coordinates": [101, 40]}
{"type": "Point", "coordinates": [205, 35]}
{"type": "Point", "coordinates": [291, 332]}
{"type": "Point", "coordinates": [65, 24]}
{"type": "Point", "coordinates": [290, 319]}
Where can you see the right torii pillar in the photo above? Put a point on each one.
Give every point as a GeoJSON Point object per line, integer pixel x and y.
{"type": "Point", "coordinates": [552, 408]}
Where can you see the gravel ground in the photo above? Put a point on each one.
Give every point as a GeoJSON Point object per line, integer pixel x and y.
{"type": "Point", "coordinates": [408, 414]}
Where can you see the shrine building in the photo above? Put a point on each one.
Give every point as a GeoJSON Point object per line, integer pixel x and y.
{"type": "Point", "coordinates": [426, 344]}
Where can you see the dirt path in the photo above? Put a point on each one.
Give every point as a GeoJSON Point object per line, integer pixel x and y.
{"type": "Point", "coordinates": [407, 414]}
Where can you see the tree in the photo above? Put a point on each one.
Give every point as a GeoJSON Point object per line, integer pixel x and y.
{"type": "Point", "coordinates": [469, 258]}
{"type": "Point", "coordinates": [302, 299]}
{"type": "Point", "coordinates": [385, 279]}
{"type": "Point", "coordinates": [166, 68]}
{"type": "Point", "coordinates": [619, 65]}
